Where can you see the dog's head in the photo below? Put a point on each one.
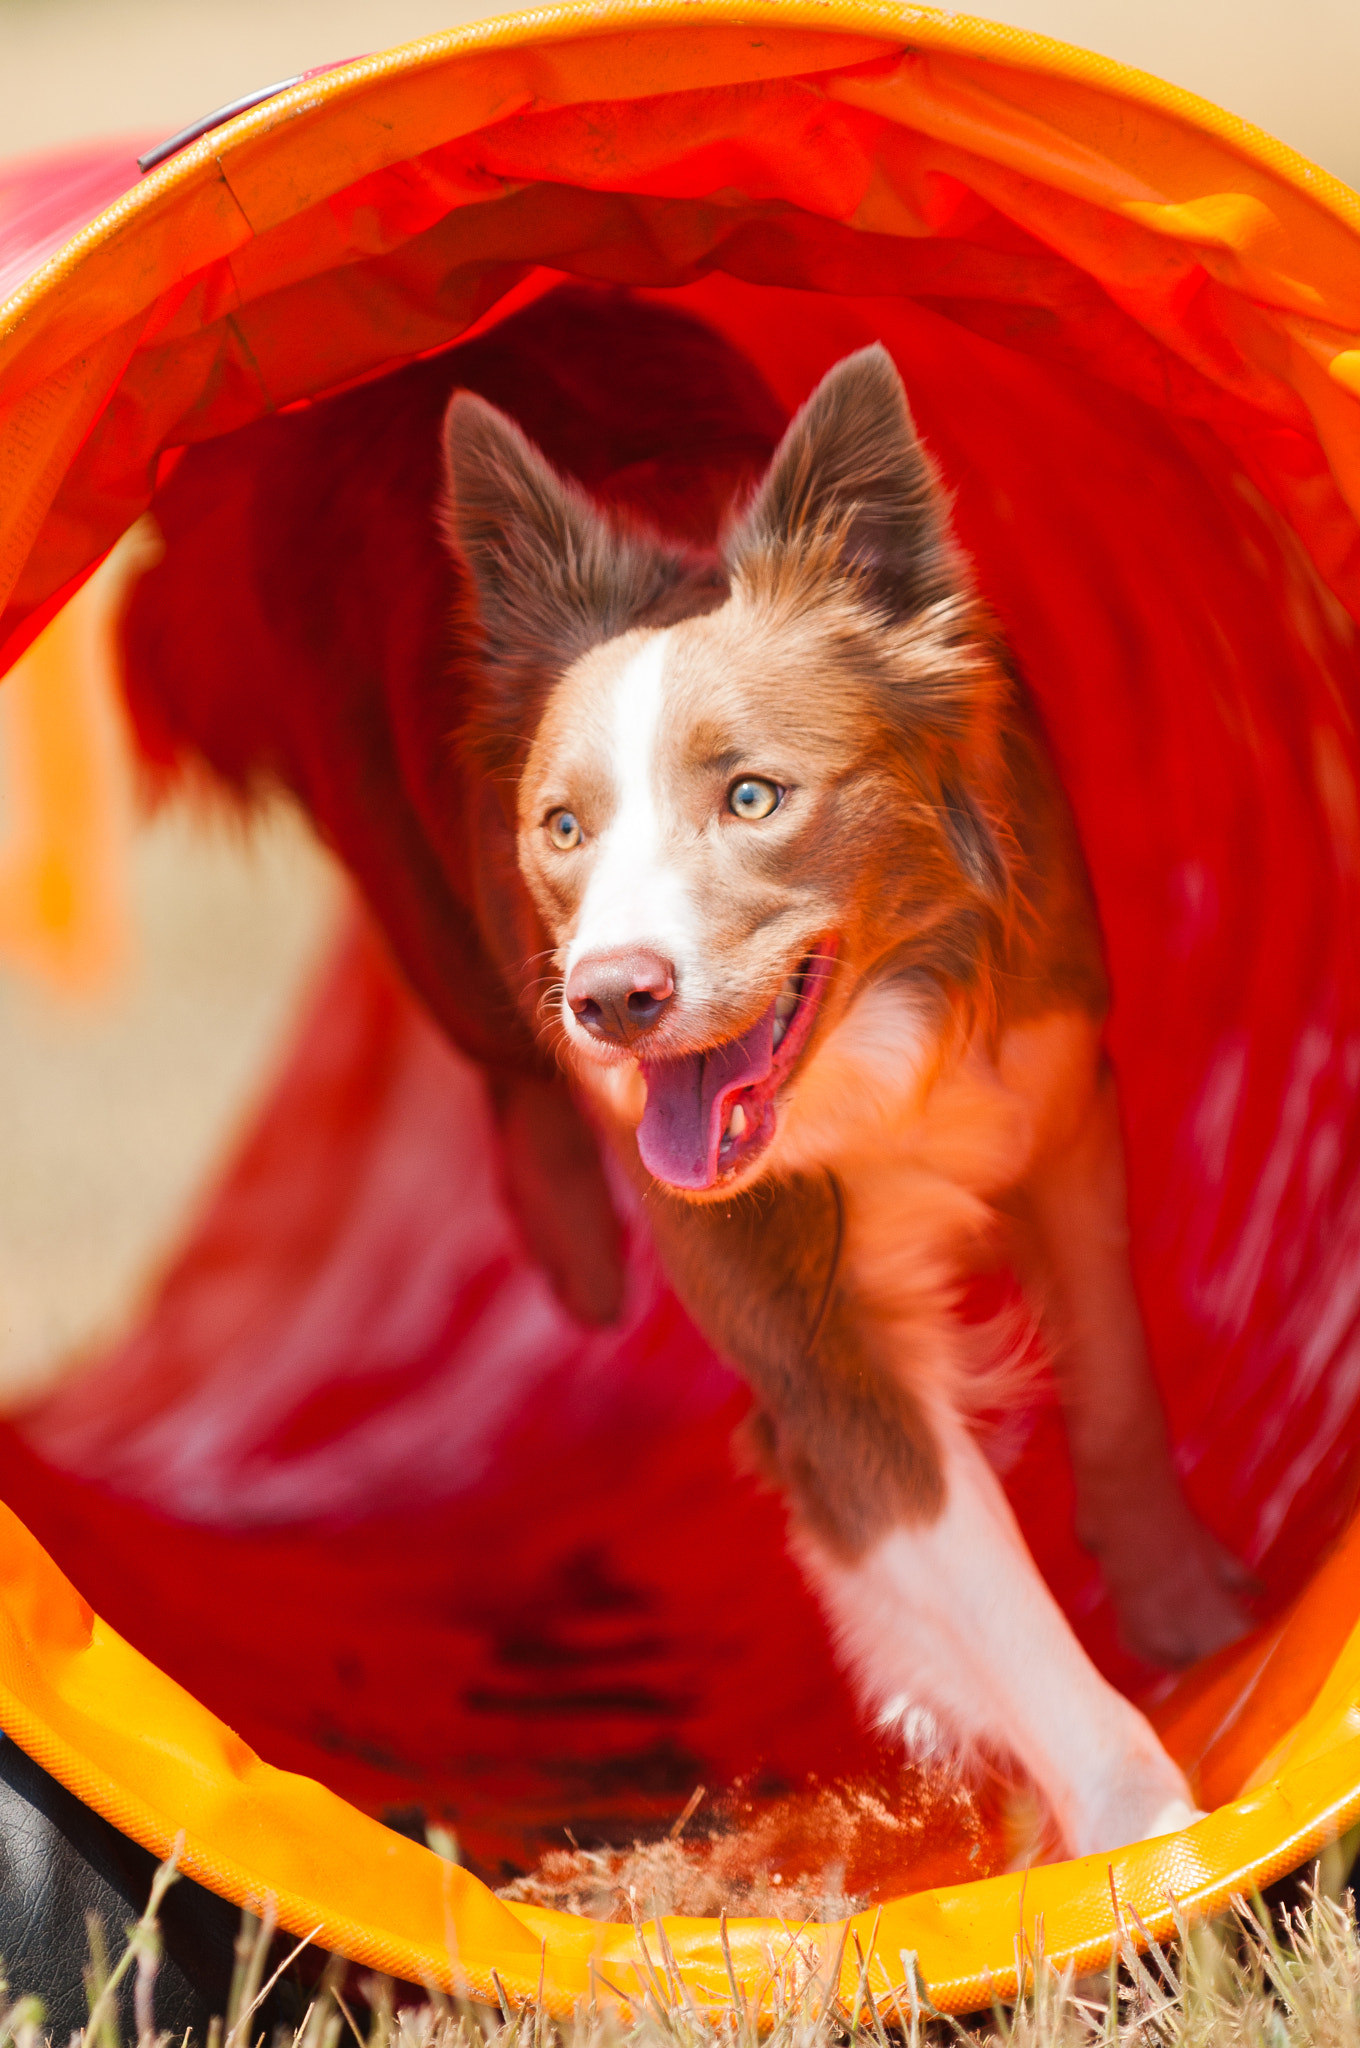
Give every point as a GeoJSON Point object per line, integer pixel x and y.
{"type": "Point", "coordinates": [746, 788]}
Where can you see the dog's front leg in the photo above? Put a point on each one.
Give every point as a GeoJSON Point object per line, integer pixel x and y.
{"type": "Point", "coordinates": [900, 1524]}
{"type": "Point", "coordinates": [946, 1612]}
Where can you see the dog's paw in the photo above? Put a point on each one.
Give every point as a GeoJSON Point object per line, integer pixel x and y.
{"type": "Point", "coordinates": [1178, 1593]}
{"type": "Point", "coordinates": [1138, 1800]}
{"type": "Point", "coordinates": [1175, 1815]}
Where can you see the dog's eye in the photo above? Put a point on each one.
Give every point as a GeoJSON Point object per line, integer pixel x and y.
{"type": "Point", "coordinates": [753, 797]}
{"type": "Point", "coordinates": [564, 830]}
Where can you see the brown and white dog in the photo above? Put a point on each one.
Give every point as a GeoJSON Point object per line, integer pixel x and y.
{"type": "Point", "coordinates": [826, 961]}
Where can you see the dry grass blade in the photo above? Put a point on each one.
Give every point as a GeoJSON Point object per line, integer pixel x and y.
{"type": "Point", "coordinates": [691, 1807]}
{"type": "Point", "coordinates": [1248, 1980]}
{"type": "Point", "coordinates": [236, 2031]}
{"type": "Point", "coordinates": [101, 2029]}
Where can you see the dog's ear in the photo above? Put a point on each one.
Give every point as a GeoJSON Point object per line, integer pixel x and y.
{"type": "Point", "coordinates": [851, 464]}
{"type": "Point", "coordinates": [551, 574]}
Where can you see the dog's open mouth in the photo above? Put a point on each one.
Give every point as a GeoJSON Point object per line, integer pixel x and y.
{"type": "Point", "coordinates": [712, 1112]}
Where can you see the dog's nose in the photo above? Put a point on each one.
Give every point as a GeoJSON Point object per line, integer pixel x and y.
{"type": "Point", "coordinates": [620, 996]}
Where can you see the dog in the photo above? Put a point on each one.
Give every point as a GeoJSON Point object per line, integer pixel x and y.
{"type": "Point", "coordinates": [829, 968]}
{"type": "Point", "coordinates": [746, 828]}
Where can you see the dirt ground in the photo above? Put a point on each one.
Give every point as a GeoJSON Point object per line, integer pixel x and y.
{"type": "Point", "coordinates": [115, 1110]}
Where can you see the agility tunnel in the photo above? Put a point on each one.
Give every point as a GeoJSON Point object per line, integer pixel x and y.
{"type": "Point", "coordinates": [360, 1521]}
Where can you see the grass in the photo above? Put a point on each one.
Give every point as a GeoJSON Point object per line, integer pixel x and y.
{"type": "Point", "coordinates": [1251, 1979]}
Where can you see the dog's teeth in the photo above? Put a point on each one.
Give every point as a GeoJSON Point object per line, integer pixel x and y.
{"type": "Point", "coordinates": [736, 1123]}
{"type": "Point", "coordinates": [785, 1003]}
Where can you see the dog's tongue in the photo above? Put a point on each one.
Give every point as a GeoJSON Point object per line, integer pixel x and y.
{"type": "Point", "coordinates": [687, 1100]}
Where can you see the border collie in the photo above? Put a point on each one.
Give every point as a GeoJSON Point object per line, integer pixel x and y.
{"type": "Point", "coordinates": [825, 959]}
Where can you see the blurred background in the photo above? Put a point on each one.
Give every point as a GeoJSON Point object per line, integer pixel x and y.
{"type": "Point", "coordinates": [128, 1067]}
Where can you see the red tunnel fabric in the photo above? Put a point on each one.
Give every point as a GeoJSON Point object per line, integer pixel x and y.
{"type": "Point", "coordinates": [1194, 678]}
{"type": "Point", "coordinates": [357, 1480]}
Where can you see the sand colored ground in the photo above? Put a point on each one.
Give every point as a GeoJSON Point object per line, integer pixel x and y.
{"type": "Point", "coordinates": [115, 1107]}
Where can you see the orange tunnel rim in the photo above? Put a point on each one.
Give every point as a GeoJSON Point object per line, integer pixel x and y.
{"type": "Point", "coordinates": [139, 1750]}
{"type": "Point", "coordinates": [68, 331]}
{"type": "Point", "coordinates": [921, 27]}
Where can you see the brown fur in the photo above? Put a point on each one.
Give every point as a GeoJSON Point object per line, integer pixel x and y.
{"type": "Point", "coordinates": [838, 649]}
{"type": "Point", "coordinates": [521, 527]}
{"type": "Point", "coordinates": [763, 1270]}
{"type": "Point", "coordinates": [932, 835]}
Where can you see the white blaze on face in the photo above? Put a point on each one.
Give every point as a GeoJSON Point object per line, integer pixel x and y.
{"type": "Point", "coordinates": [636, 895]}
